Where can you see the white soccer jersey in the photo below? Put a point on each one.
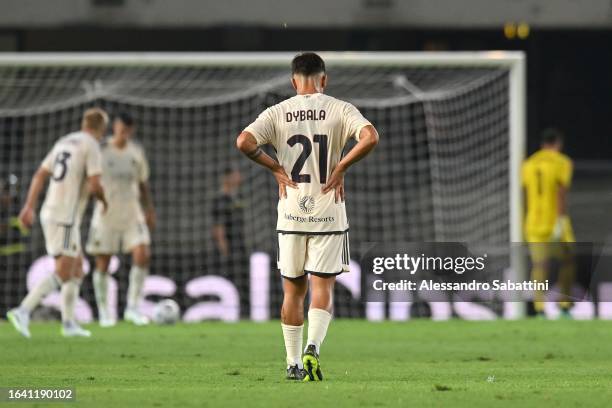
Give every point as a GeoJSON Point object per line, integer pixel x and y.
{"type": "Point", "coordinates": [122, 172]}
{"type": "Point", "coordinates": [73, 158]}
{"type": "Point", "coordinates": [309, 133]}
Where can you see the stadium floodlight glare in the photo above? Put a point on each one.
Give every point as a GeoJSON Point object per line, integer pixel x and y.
{"type": "Point", "coordinates": [452, 128]}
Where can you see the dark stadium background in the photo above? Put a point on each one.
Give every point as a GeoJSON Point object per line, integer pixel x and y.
{"type": "Point", "coordinates": [382, 353]}
{"type": "Point", "coordinates": [569, 85]}
{"type": "Point", "coordinates": [568, 79]}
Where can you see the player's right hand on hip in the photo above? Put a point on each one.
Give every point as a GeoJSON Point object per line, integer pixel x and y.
{"type": "Point", "coordinates": [336, 183]}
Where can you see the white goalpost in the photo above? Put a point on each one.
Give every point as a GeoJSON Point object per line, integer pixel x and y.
{"type": "Point", "coordinates": [452, 128]}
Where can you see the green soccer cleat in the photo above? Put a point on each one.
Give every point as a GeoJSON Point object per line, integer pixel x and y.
{"type": "Point", "coordinates": [312, 367]}
{"type": "Point", "coordinates": [295, 373]}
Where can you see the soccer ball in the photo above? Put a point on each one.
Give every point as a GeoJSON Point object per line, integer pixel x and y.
{"type": "Point", "coordinates": [166, 312]}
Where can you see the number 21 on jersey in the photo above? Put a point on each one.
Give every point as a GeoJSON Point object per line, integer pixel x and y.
{"type": "Point", "coordinates": [321, 140]}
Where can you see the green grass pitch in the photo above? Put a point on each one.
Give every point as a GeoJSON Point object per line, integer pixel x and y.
{"type": "Point", "coordinates": [417, 363]}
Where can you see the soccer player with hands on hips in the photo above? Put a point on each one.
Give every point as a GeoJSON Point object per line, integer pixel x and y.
{"type": "Point", "coordinates": [125, 227]}
{"type": "Point", "coordinates": [309, 132]}
{"type": "Point", "coordinates": [73, 168]}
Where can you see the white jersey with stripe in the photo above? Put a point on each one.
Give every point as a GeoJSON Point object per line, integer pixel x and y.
{"type": "Point", "coordinates": [123, 169]}
{"type": "Point", "coordinates": [72, 159]}
{"type": "Point", "coordinates": [309, 133]}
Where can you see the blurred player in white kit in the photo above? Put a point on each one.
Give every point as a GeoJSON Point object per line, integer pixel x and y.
{"type": "Point", "coordinates": [74, 167]}
{"type": "Point", "coordinates": [125, 227]}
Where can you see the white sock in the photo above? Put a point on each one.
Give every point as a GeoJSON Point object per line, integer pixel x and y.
{"type": "Point", "coordinates": [100, 284]}
{"type": "Point", "coordinates": [137, 278]}
{"type": "Point", "coordinates": [318, 322]}
{"type": "Point", "coordinates": [42, 289]}
{"type": "Point", "coordinates": [293, 343]}
{"type": "Point", "coordinates": [70, 294]}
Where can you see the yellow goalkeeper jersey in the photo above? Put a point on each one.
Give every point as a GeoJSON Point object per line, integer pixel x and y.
{"type": "Point", "coordinates": [542, 174]}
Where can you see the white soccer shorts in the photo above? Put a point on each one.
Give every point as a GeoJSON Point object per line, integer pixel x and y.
{"type": "Point", "coordinates": [62, 239]}
{"type": "Point", "coordinates": [299, 254]}
{"type": "Point", "coordinates": [103, 240]}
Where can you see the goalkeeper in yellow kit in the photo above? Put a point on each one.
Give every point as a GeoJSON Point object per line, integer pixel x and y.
{"type": "Point", "coordinates": [546, 177]}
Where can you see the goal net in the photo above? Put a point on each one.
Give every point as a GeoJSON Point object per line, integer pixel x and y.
{"type": "Point", "coordinates": [445, 169]}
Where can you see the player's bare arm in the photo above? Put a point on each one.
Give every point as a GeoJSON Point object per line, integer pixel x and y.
{"type": "Point", "coordinates": [147, 204]}
{"type": "Point", "coordinates": [368, 139]}
{"type": "Point", "coordinates": [95, 188]}
{"type": "Point", "coordinates": [247, 144]}
{"type": "Point", "coordinates": [26, 216]}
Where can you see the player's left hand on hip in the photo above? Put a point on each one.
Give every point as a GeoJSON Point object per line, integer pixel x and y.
{"type": "Point", "coordinates": [336, 183]}
{"type": "Point", "coordinates": [283, 181]}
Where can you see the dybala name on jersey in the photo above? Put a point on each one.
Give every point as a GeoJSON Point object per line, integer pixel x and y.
{"type": "Point", "coordinates": [309, 114]}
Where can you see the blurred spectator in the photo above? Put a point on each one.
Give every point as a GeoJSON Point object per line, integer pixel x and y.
{"type": "Point", "coordinates": [230, 258]}
{"type": "Point", "coordinates": [12, 233]}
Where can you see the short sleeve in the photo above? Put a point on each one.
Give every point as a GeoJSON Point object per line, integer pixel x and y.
{"type": "Point", "coordinates": [143, 167]}
{"type": "Point", "coordinates": [93, 160]}
{"type": "Point", "coordinates": [565, 172]}
{"type": "Point", "coordinates": [263, 128]}
{"type": "Point", "coordinates": [47, 163]}
{"type": "Point", "coordinates": [353, 122]}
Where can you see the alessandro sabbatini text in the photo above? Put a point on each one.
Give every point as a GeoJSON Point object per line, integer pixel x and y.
{"type": "Point", "coordinates": [439, 270]}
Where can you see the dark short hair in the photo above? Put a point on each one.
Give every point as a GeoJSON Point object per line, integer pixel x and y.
{"type": "Point", "coordinates": [125, 118]}
{"type": "Point", "coordinates": [307, 64]}
{"type": "Point", "coordinates": [228, 170]}
{"type": "Point", "coordinates": [550, 136]}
